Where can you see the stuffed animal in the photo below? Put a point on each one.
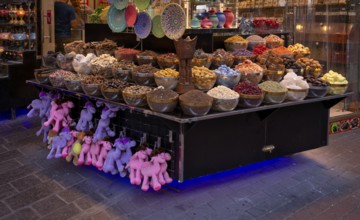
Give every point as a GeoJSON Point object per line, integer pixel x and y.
{"type": "Point", "coordinates": [118, 157]}
{"type": "Point", "coordinates": [164, 175]}
{"type": "Point", "coordinates": [69, 144]}
{"type": "Point", "coordinates": [94, 153]}
{"type": "Point", "coordinates": [151, 170]}
{"type": "Point", "coordinates": [75, 149]}
{"type": "Point", "coordinates": [103, 128]}
{"type": "Point", "coordinates": [135, 164]}
{"type": "Point", "coordinates": [85, 149]}
{"type": "Point", "coordinates": [105, 148]}
{"type": "Point", "coordinates": [59, 142]}
{"type": "Point", "coordinates": [59, 114]}
{"type": "Point", "coordinates": [86, 116]}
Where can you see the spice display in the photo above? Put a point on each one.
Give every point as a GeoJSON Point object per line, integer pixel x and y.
{"type": "Point", "coordinates": [168, 60]}
{"type": "Point", "coordinates": [170, 56]}
{"type": "Point", "coordinates": [122, 70]}
{"type": "Point", "coordinates": [144, 75]}
{"type": "Point", "coordinates": [162, 94]}
{"type": "Point", "coordinates": [234, 39]}
{"type": "Point", "coordinates": [81, 63]}
{"type": "Point", "coordinates": [203, 78]}
{"type": "Point", "coordinates": [273, 41]}
{"type": "Point", "coordinates": [311, 67]}
{"type": "Point", "coordinates": [167, 73]}
{"type": "Point", "coordinates": [221, 57]}
{"type": "Point", "coordinates": [299, 48]}
{"type": "Point", "coordinates": [282, 51]}
{"type": "Point", "coordinates": [115, 84]}
{"type": "Point", "coordinates": [106, 46]}
{"type": "Point", "coordinates": [75, 46]}
{"type": "Point", "coordinates": [199, 54]}
{"type": "Point", "coordinates": [89, 47]}
{"type": "Point", "coordinates": [195, 103]}
{"type": "Point", "coordinates": [313, 81]}
{"type": "Point", "coordinates": [221, 54]}
{"type": "Point", "coordinates": [136, 95]}
{"type": "Point", "coordinates": [124, 64]}
{"type": "Point", "coordinates": [148, 53]}
{"type": "Point", "coordinates": [222, 92]}
{"type": "Point", "coordinates": [102, 65]}
{"type": "Point", "coordinates": [162, 100]}
{"type": "Point", "coordinates": [98, 80]}
{"type": "Point", "coordinates": [271, 61]}
{"type": "Point", "coordinates": [242, 52]}
{"type": "Point", "coordinates": [61, 73]}
{"type": "Point", "coordinates": [146, 68]}
{"type": "Point", "coordinates": [254, 41]}
{"type": "Point", "coordinates": [333, 77]}
{"type": "Point", "coordinates": [57, 78]}
{"type": "Point", "coordinates": [248, 88]}
{"type": "Point", "coordinates": [290, 63]}
{"type": "Point", "coordinates": [248, 67]}
{"type": "Point", "coordinates": [272, 87]}
{"type": "Point", "coordinates": [226, 71]}
{"type": "Point", "coordinates": [196, 97]}
{"type": "Point", "coordinates": [295, 82]}
{"type": "Point", "coordinates": [259, 49]}
{"type": "Point", "coordinates": [137, 90]}
{"type": "Point", "coordinates": [126, 54]}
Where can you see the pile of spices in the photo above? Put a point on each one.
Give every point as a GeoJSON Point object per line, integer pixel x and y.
{"type": "Point", "coordinates": [220, 54]}
{"type": "Point", "coordinates": [234, 39]}
{"type": "Point", "coordinates": [137, 90]}
{"type": "Point", "coordinates": [115, 84]}
{"type": "Point", "coordinates": [291, 64]}
{"type": "Point", "coordinates": [93, 80]}
{"type": "Point", "coordinates": [148, 53]}
{"type": "Point", "coordinates": [248, 67]}
{"type": "Point", "coordinates": [226, 71]}
{"type": "Point", "coordinates": [124, 65]}
{"type": "Point", "coordinates": [272, 87]}
{"type": "Point", "coordinates": [167, 73]}
{"type": "Point", "coordinates": [222, 92]}
{"type": "Point", "coordinates": [248, 88]}
{"type": "Point", "coordinates": [61, 73]}
{"type": "Point", "coordinates": [282, 50]}
{"type": "Point", "coordinates": [242, 52]}
{"type": "Point", "coordinates": [146, 68]}
{"type": "Point", "coordinates": [102, 65]}
{"type": "Point", "coordinates": [313, 81]}
{"type": "Point", "coordinates": [196, 97]}
{"type": "Point", "coordinates": [259, 49]}
{"type": "Point", "coordinates": [168, 56]}
{"type": "Point", "coordinates": [200, 54]}
{"type": "Point", "coordinates": [161, 94]}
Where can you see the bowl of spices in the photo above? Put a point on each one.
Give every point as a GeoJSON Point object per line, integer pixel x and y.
{"type": "Point", "coordinates": [318, 87]}
{"type": "Point", "coordinates": [250, 72]}
{"type": "Point", "coordinates": [224, 99]}
{"type": "Point", "coordinates": [91, 85]}
{"type": "Point", "coordinates": [144, 75]}
{"type": "Point", "coordinates": [250, 94]}
{"type": "Point", "coordinates": [221, 57]}
{"type": "Point", "coordinates": [254, 41]}
{"type": "Point", "coordinates": [73, 83]}
{"type": "Point", "coordinates": [122, 70]}
{"type": "Point", "coordinates": [102, 65]}
{"type": "Point", "coordinates": [227, 76]}
{"type": "Point", "coordinates": [195, 103]}
{"type": "Point", "coordinates": [275, 93]}
{"type": "Point", "coordinates": [146, 57]}
{"type": "Point", "coordinates": [292, 66]}
{"type": "Point", "coordinates": [283, 52]}
{"type": "Point", "coordinates": [273, 41]}
{"type": "Point", "coordinates": [203, 78]}
{"type": "Point", "coordinates": [162, 100]}
{"type": "Point", "coordinates": [126, 54]}
{"type": "Point", "coordinates": [167, 78]}
{"type": "Point", "coordinates": [57, 78]}
{"type": "Point", "coordinates": [235, 42]}
{"type": "Point", "coordinates": [168, 60]}
{"type": "Point", "coordinates": [112, 89]}
{"type": "Point", "coordinates": [201, 59]}
{"type": "Point", "coordinates": [241, 55]}
{"type": "Point", "coordinates": [136, 95]}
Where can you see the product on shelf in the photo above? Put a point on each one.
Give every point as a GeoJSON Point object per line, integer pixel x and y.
{"type": "Point", "coordinates": [57, 78]}
{"type": "Point", "coordinates": [226, 76]}
{"type": "Point", "coordinates": [290, 63]}
{"type": "Point", "coordinates": [136, 95]}
{"type": "Point", "coordinates": [203, 78]}
{"type": "Point", "coordinates": [146, 57]}
{"type": "Point", "coordinates": [126, 54]}
{"type": "Point", "coordinates": [89, 47]}
{"type": "Point", "coordinates": [311, 67]}
{"type": "Point", "coordinates": [65, 61]}
{"type": "Point", "coordinates": [167, 78]}
{"type": "Point", "coordinates": [202, 59]}
{"type": "Point", "coordinates": [241, 55]}
{"type": "Point", "coordinates": [122, 70]}
{"type": "Point", "coordinates": [106, 47]}
{"type": "Point", "coordinates": [102, 65]}
{"type": "Point", "coordinates": [162, 100]}
{"type": "Point", "coordinates": [112, 89]}
{"type": "Point", "coordinates": [250, 94]}
{"type": "Point", "coordinates": [144, 74]}
{"type": "Point", "coordinates": [275, 93]}
{"type": "Point", "coordinates": [225, 99]}
{"type": "Point", "coordinates": [318, 87]}
{"type": "Point", "coordinates": [313, 81]}
{"type": "Point", "coordinates": [49, 58]}
{"type": "Point", "coordinates": [299, 50]}
{"type": "Point", "coordinates": [235, 42]}
{"type": "Point", "coordinates": [338, 83]}
{"type": "Point", "coordinates": [98, 80]}
{"type": "Point", "coordinates": [75, 46]}
{"type": "Point", "coordinates": [195, 103]}
{"type": "Point", "coordinates": [260, 49]}
{"type": "Point", "coordinates": [221, 57]}
{"type": "Point", "coordinates": [168, 60]}
{"type": "Point", "coordinates": [283, 51]}
{"type": "Point", "coordinates": [273, 41]}
{"type": "Point", "coordinates": [167, 73]}
{"type": "Point", "coordinates": [254, 41]}
{"type": "Point", "coordinates": [246, 26]}
{"type": "Point", "coordinates": [250, 72]}
{"type": "Point", "coordinates": [296, 85]}
{"type": "Point", "coordinates": [91, 85]}
{"type": "Point", "coordinates": [81, 63]}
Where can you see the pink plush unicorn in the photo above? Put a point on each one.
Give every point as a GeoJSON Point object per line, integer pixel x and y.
{"type": "Point", "coordinates": [105, 148]}
{"type": "Point", "coordinates": [164, 175]}
{"type": "Point", "coordinates": [85, 149]}
{"type": "Point", "coordinates": [151, 170]}
{"type": "Point", "coordinates": [94, 153]}
{"type": "Point", "coordinates": [135, 164]}
{"type": "Point", "coordinates": [59, 115]}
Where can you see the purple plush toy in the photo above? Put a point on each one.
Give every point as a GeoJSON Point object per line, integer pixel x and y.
{"type": "Point", "coordinates": [103, 128]}
{"type": "Point", "coordinates": [59, 142]}
{"type": "Point", "coordinates": [86, 116]}
{"type": "Point", "coordinates": [117, 158]}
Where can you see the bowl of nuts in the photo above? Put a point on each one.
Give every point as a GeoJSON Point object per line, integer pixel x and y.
{"type": "Point", "coordinates": [91, 85]}
{"type": "Point", "coordinates": [122, 70]}
{"type": "Point", "coordinates": [224, 99]}
{"type": "Point", "coordinates": [146, 57]}
{"type": "Point", "coordinates": [203, 78]}
{"type": "Point", "coordinates": [167, 78]}
{"type": "Point", "coordinates": [162, 100]}
{"type": "Point", "coordinates": [195, 103]}
{"type": "Point", "coordinates": [168, 60]}
{"type": "Point", "coordinates": [136, 95]}
{"type": "Point", "coordinates": [318, 87]}
{"type": "Point", "coordinates": [112, 89]}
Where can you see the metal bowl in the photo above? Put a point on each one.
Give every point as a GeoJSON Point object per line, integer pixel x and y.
{"type": "Point", "coordinates": [224, 105]}
{"type": "Point", "coordinates": [122, 74]}
{"type": "Point", "coordinates": [274, 97]}
{"type": "Point", "coordinates": [91, 89]}
{"type": "Point", "coordinates": [317, 91]}
{"type": "Point", "coordinates": [162, 106]}
{"type": "Point", "coordinates": [250, 101]}
{"type": "Point", "coordinates": [337, 89]}
{"type": "Point", "coordinates": [273, 75]}
{"type": "Point", "coordinates": [167, 82]}
{"type": "Point", "coordinates": [195, 109]}
{"type": "Point", "coordinates": [228, 81]}
{"type": "Point", "coordinates": [297, 94]}
{"type": "Point", "coordinates": [73, 85]}
{"type": "Point", "coordinates": [145, 60]}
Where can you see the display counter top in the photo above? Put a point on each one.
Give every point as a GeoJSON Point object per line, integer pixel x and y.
{"type": "Point", "coordinates": [179, 117]}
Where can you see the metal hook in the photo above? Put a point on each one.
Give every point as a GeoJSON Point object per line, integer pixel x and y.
{"type": "Point", "coordinates": [171, 137]}
{"type": "Point", "coordinates": [157, 143]}
{"type": "Point", "coordinates": [143, 138]}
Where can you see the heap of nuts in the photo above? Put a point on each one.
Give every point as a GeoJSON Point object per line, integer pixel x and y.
{"type": "Point", "coordinates": [248, 88]}
{"type": "Point", "coordinates": [61, 73]}
{"type": "Point", "coordinates": [146, 68]}
{"type": "Point", "coordinates": [102, 65]}
{"type": "Point", "coordinates": [271, 61]}
{"type": "Point", "coordinates": [313, 81]}
{"type": "Point", "coordinates": [98, 80]}
{"type": "Point", "coordinates": [203, 78]}
{"type": "Point", "coordinates": [299, 48]}
{"type": "Point", "coordinates": [309, 65]}
{"type": "Point", "coordinates": [137, 90]}
{"type": "Point", "coordinates": [115, 84]}
{"type": "Point", "coordinates": [291, 64]}
{"type": "Point", "coordinates": [167, 73]}
{"type": "Point", "coordinates": [124, 65]}
{"type": "Point", "coordinates": [106, 45]}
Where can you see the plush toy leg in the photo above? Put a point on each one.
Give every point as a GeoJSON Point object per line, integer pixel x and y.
{"type": "Point", "coordinates": [58, 152]}
{"type": "Point", "coordinates": [38, 133]}
{"type": "Point", "coordinates": [138, 177]}
{"type": "Point", "coordinates": [155, 183]}
{"type": "Point", "coordinates": [46, 132]}
{"type": "Point", "coordinates": [145, 183]}
{"type": "Point", "coordinates": [132, 176]}
{"type": "Point", "coordinates": [88, 159]}
{"type": "Point", "coordinates": [75, 160]}
{"type": "Point", "coordinates": [94, 160]}
{"type": "Point", "coordinates": [167, 178]}
{"type": "Point", "coordinates": [161, 178]}
{"type": "Point", "coordinates": [99, 163]}
{"type": "Point", "coordinates": [69, 157]}
{"type": "Point", "coordinates": [56, 127]}
{"type": "Point", "coordinates": [65, 152]}
{"type": "Point", "coordinates": [50, 155]}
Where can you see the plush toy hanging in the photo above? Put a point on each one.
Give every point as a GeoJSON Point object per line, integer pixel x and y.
{"type": "Point", "coordinates": [85, 122]}
{"type": "Point", "coordinates": [85, 149]}
{"type": "Point", "coordinates": [136, 162]}
{"type": "Point", "coordinates": [105, 147]}
{"type": "Point", "coordinates": [120, 156]}
{"type": "Point", "coordinates": [151, 169]}
{"type": "Point", "coordinates": [75, 149]}
{"type": "Point", "coordinates": [103, 128]}
{"type": "Point", "coordinates": [59, 142]}
{"type": "Point", "coordinates": [65, 151]}
{"type": "Point", "coordinates": [59, 114]}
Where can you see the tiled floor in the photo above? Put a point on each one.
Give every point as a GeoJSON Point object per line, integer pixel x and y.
{"type": "Point", "coordinates": [318, 184]}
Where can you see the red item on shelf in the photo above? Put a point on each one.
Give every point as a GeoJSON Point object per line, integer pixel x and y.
{"type": "Point", "coordinates": [260, 49]}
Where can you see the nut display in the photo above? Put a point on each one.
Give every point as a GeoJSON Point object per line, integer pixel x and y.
{"type": "Point", "coordinates": [98, 80]}
{"type": "Point", "coordinates": [195, 103]}
{"type": "Point", "coordinates": [311, 67]}
{"type": "Point", "coordinates": [225, 99]}
{"type": "Point", "coordinates": [299, 50]}
{"type": "Point", "coordinates": [313, 81]}
{"type": "Point", "coordinates": [167, 73]}
{"type": "Point", "coordinates": [271, 61]}
{"type": "Point", "coordinates": [136, 95]}
{"type": "Point", "coordinates": [162, 100]}
{"type": "Point", "coordinates": [250, 72]}
{"type": "Point", "coordinates": [102, 65]}
{"type": "Point", "coordinates": [273, 41]}
{"type": "Point", "coordinates": [203, 78]}
{"type": "Point", "coordinates": [112, 89]}
{"type": "Point", "coordinates": [122, 70]}
{"type": "Point", "coordinates": [167, 78]}
{"type": "Point", "coordinates": [290, 63]}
